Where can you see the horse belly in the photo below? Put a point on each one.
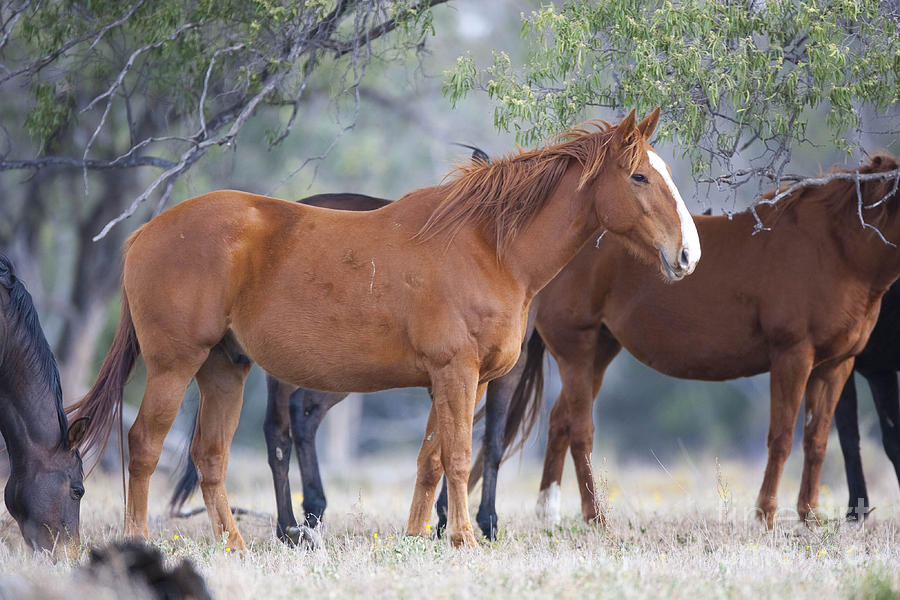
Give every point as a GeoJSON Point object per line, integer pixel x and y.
{"type": "Point", "coordinates": [688, 347]}
{"type": "Point", "coordinates": [337, 360]}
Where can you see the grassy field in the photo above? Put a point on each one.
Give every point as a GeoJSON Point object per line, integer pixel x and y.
{"type": "Point", "coordinates": [678, 531]}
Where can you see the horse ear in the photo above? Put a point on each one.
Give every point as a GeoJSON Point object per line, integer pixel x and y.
{"type": "Point", "coordinates": [648, 125]}
{"type": "Point", "coordinates": [77, 431]}
{"type": "Point", "coordinates": [625, 129]}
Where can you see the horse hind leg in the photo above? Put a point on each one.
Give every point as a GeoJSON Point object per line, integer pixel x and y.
{"type": "Point", "coordinates": [221, 384]}
{"type": "Point", "coordinates": [162, 396]}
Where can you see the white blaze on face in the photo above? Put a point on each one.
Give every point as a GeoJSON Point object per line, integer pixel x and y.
{"type": "Point", "coordinates": [548, 505]}
{"type": "Point", "coordinates": [690, 240]}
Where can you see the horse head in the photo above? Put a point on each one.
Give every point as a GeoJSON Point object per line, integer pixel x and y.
{"type": "Point", "coordinates": [637, 201]}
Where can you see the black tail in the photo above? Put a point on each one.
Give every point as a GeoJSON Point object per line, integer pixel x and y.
{"type": "Point", "coordinates": [524, 406]}
{"type": "Point", "coordinates": [188, 481]}
{"type": "Point", "coordinates": [477, 153]}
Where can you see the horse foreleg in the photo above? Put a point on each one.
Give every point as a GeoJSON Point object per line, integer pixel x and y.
{"type": "Point", "coordinates": [548, 503]}
{"type": "Point", "coordinates": [846, 420]}
{"type": "Point", "coordinates": [454, 400]}
{"type": "Point", "coordinates": [162, 397]}
{"type": "Point", "coordinates": [428, 472]}
{"type": "Point", "coordinates": [789, 374]}
{"type": "Point", "coordinates": [581, 432]}
{"type": "Point", "coordinates": [221, 384]}
{"type": "Point", "coordinates": [277, 430]}
{"type": "Point", "coordinates": [308, 408]}
{"type": "Point", "coordinates": [822, 393]}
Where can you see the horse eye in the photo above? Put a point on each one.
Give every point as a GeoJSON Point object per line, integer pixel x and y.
{"type": "Point", "coordinates": [77, 492]}
{"type": "Point", "coordinates": [639, 178]}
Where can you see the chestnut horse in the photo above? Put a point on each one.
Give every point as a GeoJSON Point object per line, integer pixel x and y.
{"type": "Point", "coordinates": [293, 416]}
{"type": "Point", "coordinates": [44, 489]}
{"type": "Point", "coordinates": [798, 301]}
{"type": "Point", "coordinates": [431, 290]}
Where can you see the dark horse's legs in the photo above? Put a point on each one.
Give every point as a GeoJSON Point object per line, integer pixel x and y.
{"type": "Point", "coordinates": [294, 414]}
{"type": "Point", "coordinates": [307, 409]}
{"type": "Point", "coordinates": [887, 402]}
{"type": "Point", "coordinates": [277, 429]}
{"type": "Point", "coordinates": [847, 423]}
{"type": "Point", "coordinates": [883, 384]}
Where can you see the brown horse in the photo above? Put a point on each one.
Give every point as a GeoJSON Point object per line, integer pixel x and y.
{"type": "Point", "coordinates": [431, 290]}
{"type": "Point", "coordinates": [798, 301]}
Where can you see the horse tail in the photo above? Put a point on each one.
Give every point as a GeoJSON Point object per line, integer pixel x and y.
{"type": "Point", "coordinates": [524, 406]}
{"type": "Point", "coordinates": [103, 404]}
{"type": "Point", "coordinates": [188, 481]}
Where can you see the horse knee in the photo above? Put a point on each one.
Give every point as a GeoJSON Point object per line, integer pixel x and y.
{"type": "Point", "coordinates": [780, 445]}
{"type": "Point", "coordinates": [429, 470]}
{"type": "Point", "coordinates": [458, 467]}
{"type": "Point", "coordinates": [210, 469]}
{"type": "Point", "coordinates": [814, 450]}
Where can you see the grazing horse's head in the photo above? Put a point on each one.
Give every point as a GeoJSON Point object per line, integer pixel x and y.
{"type": "Point", "coordinates": [637, 201]}
{"type": "Point", "coordinates": [45, 485]}
{"type": "Point", "coordinates": [44, 495]}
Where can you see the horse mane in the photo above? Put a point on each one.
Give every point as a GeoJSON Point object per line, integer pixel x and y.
{"type": "Point", "coordinates": [839, 195]}
{"type": "Point", "coordinates": [35, 349]}
{"type": "Point", "coordinates": [506, 194]}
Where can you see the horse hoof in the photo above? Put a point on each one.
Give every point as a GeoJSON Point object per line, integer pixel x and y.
{"type": "Point", "coordinates": [304, 536]}
{"type": "Point", "coordinates": [465, 539]}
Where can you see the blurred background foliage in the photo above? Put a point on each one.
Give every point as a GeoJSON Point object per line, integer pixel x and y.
{"type": "Point", "coordinates": [383, 133]}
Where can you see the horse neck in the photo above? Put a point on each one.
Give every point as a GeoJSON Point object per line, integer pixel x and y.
{"type": "Point", "coordinates": [29, 419]}
{"type": "Point", "coordinates": [877, 262]}
{"type": "Point", "coordinates": [554, 236]}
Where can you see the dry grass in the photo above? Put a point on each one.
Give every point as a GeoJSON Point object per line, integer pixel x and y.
{"type": "Point", "coordinates": [675, 533]}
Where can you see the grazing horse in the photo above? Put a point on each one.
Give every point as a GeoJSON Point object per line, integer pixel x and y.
{"type": "Point", "coordinates": [798, 301]}
{"type": "Point", "coordinates": [878, 363]}
{"type": "Point", "coordinates": [430, 290]}
{"type": "Point", "coordinates": [44, 489]}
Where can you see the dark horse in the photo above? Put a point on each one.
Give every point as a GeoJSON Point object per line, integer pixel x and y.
{"type": "Point", "coordinates": [878, 363]}
{"type": "Point", "coordinates": [44, 489]}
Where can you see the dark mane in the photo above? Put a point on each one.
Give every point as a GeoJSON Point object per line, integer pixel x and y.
{"type": "Point", "coordinates": [35, 350]}
{"type": "Point", "coordinates": [839, 195]}
{"type": "Point", "coordinates": [506, 194]}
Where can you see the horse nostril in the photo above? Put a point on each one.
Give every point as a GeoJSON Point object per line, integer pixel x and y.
{"type": "Point", "coordinates": [684, 260]}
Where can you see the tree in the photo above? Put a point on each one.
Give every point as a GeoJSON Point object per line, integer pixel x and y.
{"type": "Point", "coordinates": [105, 104]}
{"type": "Point", "coordinates": [741, 84]}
